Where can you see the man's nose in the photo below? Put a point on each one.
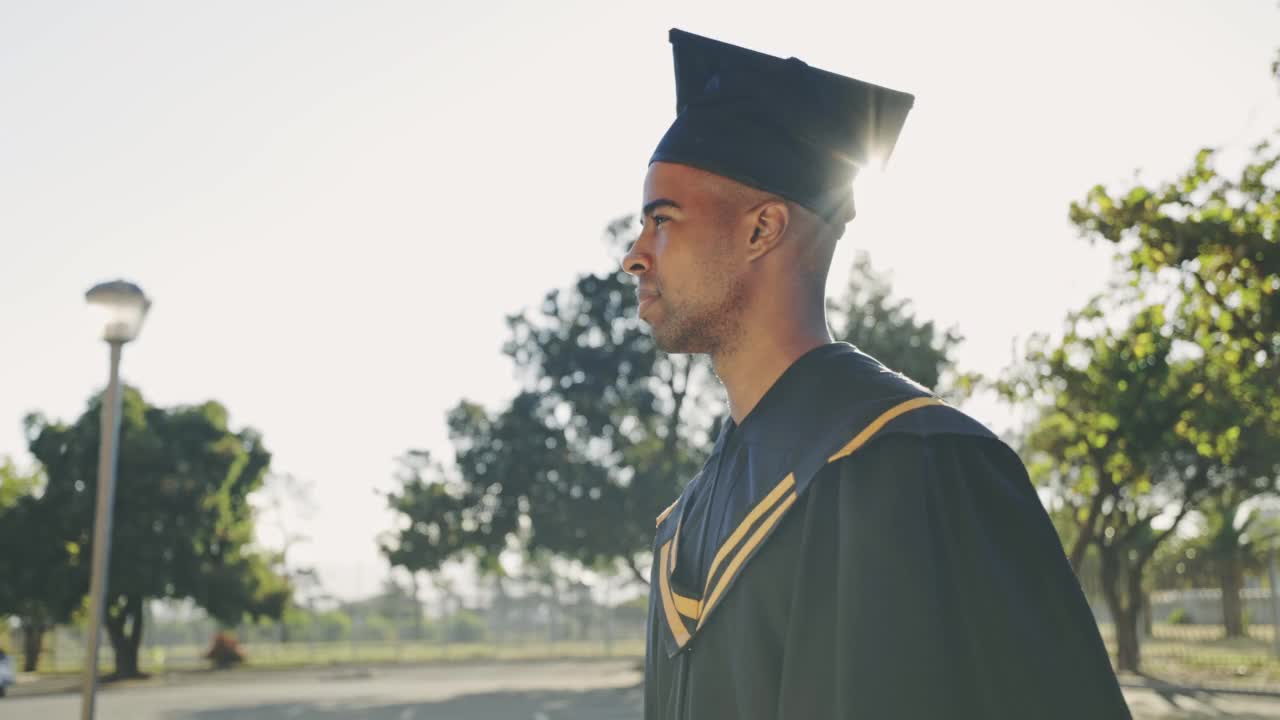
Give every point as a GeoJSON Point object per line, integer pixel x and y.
{"type": "Point", "coordinates": [636, 262]}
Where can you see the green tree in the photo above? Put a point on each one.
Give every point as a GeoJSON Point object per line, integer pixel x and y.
{"type": "Point", "coordinates": [1211, 241]}
{"type": "Point", "coordinates": [1107, 403]}
{"type": "Point", "coordinates": [465, 626]}
{"type": "Point", "coordinates": [606, 430]}
{"type": "Point", "coordinates": [869, 317]}
{"type": "Point", "coordinates": [1134, 431]}
{"type": "Point", "coordinates": [16, 483]}
{"type": "Point", "coordinates": [40, 587]}
{"type": "Point", "coordinates": [1214, 241]}
{"type": "Point", "coordinates": [332, 625]}
{"type": "Point", "coordinates": [44, 583]}
{"type": "Point", "coordinates": [1233, 541]}
{"type": "Point", "coordinates": [182, 523]}
{"type": "Point", "coordinates": [279, 494]}
{"type": "Point", "coordinates": [393, 607]}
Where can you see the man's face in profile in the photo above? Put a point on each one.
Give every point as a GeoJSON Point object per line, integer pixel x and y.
{"type": "Point", "coordinates": [689, 283]}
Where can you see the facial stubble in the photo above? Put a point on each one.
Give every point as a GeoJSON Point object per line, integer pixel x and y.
{"type": "Point", "coordinates": [707, 321]}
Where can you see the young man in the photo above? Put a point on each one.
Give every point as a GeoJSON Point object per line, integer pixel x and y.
{"type": "Point", "coordinates": [853, 547]}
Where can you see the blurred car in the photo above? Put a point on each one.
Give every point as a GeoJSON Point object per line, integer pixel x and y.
{"type": "Point", "coordinates": [7, 674]}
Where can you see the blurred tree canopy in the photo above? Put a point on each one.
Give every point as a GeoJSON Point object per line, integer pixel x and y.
{"type": "Point", "coordinates": [1214, 241]}
{"type": "Point", "coordinates": [1159, 399]}
{"type": "Point", "coordinates": [1190, 562]}
{"type": "Point", "coordinates": [1230, 538]}
{"type": "Point", "coordinates": [16, 483]}
{"type": "Point", "coordinates": [606, 431]}
{"type": "Point", "coordinates": [182, 525]}
{"type": "Point", "coordinates": [44, 584]}
{"type": "Point", "coordinates": [1112, 444]}
{"type": "Point", "coordinates": [869, 317]}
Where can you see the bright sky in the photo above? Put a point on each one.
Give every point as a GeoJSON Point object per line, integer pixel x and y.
{"type": "Point", "coordinates": [334, 205]}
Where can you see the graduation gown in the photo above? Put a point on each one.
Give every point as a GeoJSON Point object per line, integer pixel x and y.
{"type": "Point", "coordinates": [858, 549]}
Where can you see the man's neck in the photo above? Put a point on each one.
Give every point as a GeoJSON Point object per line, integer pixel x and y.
{"type": "Point", "coordinates": [757, 360]}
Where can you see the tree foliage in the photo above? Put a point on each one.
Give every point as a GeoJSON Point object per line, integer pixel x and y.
{"type": "Point", "coordinates": [869, 317]}
{"type": "Point", "coordinates": [1159, 400]}
{"type": "Point", "coordinates": [182, 524]}
{"type": "Point", "coordinates": [1213, 240]}
{"type": "Point", "coordinates": [16, 483]}
{"type": "Point", "coordinates": [1232, 537]}
{"type": "Point", "coordinates": [43, 578]}
{"type": "Point", "coordinates": [1103, 445]}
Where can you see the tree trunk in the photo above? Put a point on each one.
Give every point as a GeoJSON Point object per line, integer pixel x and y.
{"type": "Point", "coordinates": [584, 619]}
{"type": "Point", "coordinates": [1147, 621]}
{"type": "Point", "coordinates": [1135, 598]}
{"type": "Point", "coordinates": [499, 610]}
{"type": "Point", "coordinates": [553, 609]}
{"type": "Point", "coordinates": [1124, 615]}
{"type": "Point", "coordinates": [635, 570]}
{"type": "Point", "coordinates": [1232, 580]}
{"type": "Point", "coordinates": [125, 642]}
{"type": "Point", "coordinates": [32, 642]}
{"type": "Point", "coordinates": [1127, 647]}
{"type": "Point", "coordinates": [417, 607]}
{"type": "Point", "coordinates": [1088, 532]}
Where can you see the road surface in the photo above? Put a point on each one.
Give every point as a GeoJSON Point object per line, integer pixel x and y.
{"type": "Point", "coordinates": [602, 690]}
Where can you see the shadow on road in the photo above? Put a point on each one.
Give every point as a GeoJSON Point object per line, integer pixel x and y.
{"type": "Point", "coordinates": [607, 704]}
{"type": "Point", "coordinates": [1177, 704]}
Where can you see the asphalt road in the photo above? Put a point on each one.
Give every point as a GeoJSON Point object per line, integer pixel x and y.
{"type": "Point", "coordinates": [606, 690]}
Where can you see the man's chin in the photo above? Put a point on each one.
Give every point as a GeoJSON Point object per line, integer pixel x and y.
{"type": "Point", "coordinates": [673, 338]}
{"type": "Point", "coordinates": [664, 341]}
{"type": "Point", "coordinates": [672, 344]}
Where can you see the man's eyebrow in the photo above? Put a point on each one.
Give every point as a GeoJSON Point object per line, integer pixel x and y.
{"type": "Point", "coordinates": [659, 203]}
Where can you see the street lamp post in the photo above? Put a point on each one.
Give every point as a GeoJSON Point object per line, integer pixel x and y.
{"type": "Point", "coordinates": [1272, 576]}
{"type": "Point", "coordinates": [122, 307]}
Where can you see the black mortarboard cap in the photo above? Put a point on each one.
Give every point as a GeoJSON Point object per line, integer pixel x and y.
{"type": "Point", "coordinates": [778, 125]}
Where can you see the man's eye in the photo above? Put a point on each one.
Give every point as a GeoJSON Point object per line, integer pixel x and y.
{"type": "Point", "coordinates": [659, 219]}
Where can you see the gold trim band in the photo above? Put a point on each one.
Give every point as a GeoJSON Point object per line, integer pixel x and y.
{"type": "Point", "coordinates": [776, 504]}
{"type": "Point", "coordinates": [756, 538]}
{"type": "Point", "coordinates": [678, 630]}
{"type": "Point", "coordinates": [663, 515]}
{"type": "Point", "coordinates": [878, 424]}
{"type": "Point", "coordinates": [686, 606]}
{"type": "Point", "coordinates": [740, 532]}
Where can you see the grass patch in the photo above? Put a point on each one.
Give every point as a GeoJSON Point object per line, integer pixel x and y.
{"type": "Point", "coordinates": [1182, 654]}
{"type": "Point", "coordinates": [158, 660]}
{"type": "Point", "coordinates": [1202, 655]}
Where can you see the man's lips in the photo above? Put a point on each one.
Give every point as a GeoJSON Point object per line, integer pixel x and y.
{"type": "Point", "coordinates": [644, 296]}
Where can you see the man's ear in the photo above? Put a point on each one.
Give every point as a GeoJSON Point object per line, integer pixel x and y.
{"type": "Point", "coordinates": [771, 220]}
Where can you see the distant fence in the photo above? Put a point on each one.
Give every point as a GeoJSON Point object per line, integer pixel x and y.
{"type": "Point", "coordinates": [1194, 649]}
{"type": "Point", "coordinates": [1199, 607]}
{"type": "Point", "coordinates": [177, 637]}
{"type": "Point", "coordinates": [1184, 639]}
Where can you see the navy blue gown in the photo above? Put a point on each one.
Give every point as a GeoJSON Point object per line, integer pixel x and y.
{"type": "Point", "coordinates": [856, 548]}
